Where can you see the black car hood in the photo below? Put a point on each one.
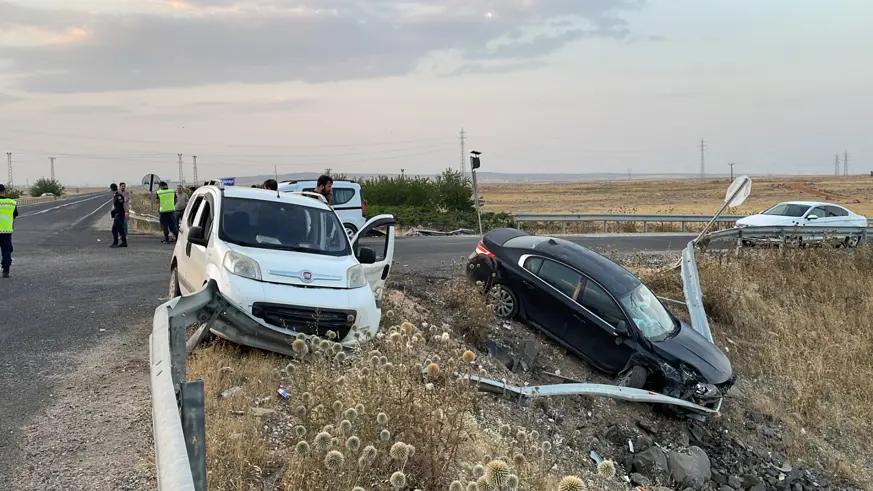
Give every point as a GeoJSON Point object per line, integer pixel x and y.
{"type": "Point", "coordinates": [690, 347]}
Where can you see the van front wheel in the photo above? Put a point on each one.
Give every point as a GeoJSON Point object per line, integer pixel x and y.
{"type": "Point", "coordinates": [350, 230]}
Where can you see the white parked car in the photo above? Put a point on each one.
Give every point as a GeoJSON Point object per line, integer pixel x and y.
{"type": "Point", "coordinates": [805, 214]}
{"type": "Point", "coordinates": [348, 201]}
{"type": "Point", "coordinates": [284, 260]}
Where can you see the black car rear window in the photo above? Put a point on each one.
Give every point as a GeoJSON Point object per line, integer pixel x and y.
{"type": "Point", "coordinates": [525, 241]}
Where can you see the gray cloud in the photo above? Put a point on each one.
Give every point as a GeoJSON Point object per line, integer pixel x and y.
{"type": "Point", "coordinates": [6, 98]}
{"type": "Point", "coordinates": [349, 39]}
{"type": "Point", "coordinates": [89, 109]}
{"type": "Point", "coordinates": [482, 68]}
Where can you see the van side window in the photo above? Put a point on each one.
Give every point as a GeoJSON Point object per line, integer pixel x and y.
{"type": "Point", "coordinates": [342, 196]}
{"type": "Point", "coordinates": [193, 206]}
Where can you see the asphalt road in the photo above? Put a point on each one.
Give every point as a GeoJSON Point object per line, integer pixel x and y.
{"type": "Point", "coordinates": [69, 292]}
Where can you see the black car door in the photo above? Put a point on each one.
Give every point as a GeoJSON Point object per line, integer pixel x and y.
{"type": "Point", "coordinates": [591, 329]}
{"type": "Point", "coordinates": [548, 296]}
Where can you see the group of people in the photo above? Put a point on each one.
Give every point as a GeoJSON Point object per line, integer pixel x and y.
{"type": "Point", "coordinates": [171, 205]}
{"type": "Point", "coordinates": [323, 186]}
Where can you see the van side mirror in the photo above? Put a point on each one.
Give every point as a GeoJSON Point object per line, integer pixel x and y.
{"type": "Point", "coordinates": [196, 236]}
{"type": "Point", "coordinates": [366, 255]}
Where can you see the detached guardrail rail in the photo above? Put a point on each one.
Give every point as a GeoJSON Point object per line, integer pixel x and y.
{"type": "Point", "coordinates": [623, 217]}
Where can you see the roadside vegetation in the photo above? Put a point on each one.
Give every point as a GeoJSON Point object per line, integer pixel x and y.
{"type": "Point", "coordinates": [798, 327]}
{"type": "Point", "coordinates": [390, 416]}
{"type": "Point", "coordinates": [444, 203]}
{"type": "Point", "coordinates": [44, 185]}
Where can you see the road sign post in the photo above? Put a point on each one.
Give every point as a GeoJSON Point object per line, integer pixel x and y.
{"type": "Point", "coordinates": [475, 164]}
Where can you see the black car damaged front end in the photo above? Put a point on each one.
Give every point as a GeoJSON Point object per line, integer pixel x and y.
{"type": "Point", "coordinates": [686, 383]}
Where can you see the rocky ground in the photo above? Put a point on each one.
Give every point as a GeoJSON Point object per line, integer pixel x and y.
{"type": "Point", "coordinates": [738, 450]}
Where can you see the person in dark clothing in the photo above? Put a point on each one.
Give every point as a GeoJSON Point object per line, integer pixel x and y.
{"type": "Point", "coordinates": [324, 187]}
{"type": "Point", "coordinates": [118, 212]}
{"type": "Point", "coordinates": [8, 214]}
{"type": "Point", "coordinates": [271, 184]}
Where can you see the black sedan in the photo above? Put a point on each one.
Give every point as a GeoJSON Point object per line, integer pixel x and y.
{"type": "Point", "coordinates": [599, 311]}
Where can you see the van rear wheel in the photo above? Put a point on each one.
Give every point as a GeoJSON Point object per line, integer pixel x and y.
{"type": "Point", "coordinates": [351, 230]}
{"type": "Point", "coordinates": [174, 290]}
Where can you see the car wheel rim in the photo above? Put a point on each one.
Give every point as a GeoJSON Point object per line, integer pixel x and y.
{"type": "Point", "coordinates": [350, 232]}
{"type": "Point", "coordinates": [503, 302]}
{"type": "Point", "coordinates": [173, 289]}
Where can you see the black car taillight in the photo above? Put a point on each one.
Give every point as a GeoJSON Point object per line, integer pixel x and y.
{"type": "Point", "coordinates": [480, 249]}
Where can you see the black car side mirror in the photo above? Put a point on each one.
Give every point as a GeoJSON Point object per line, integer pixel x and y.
{"type": "Point", "coordinates": [621, 329]}
{"type": "Point", "coordinates": [366, 255]}
{"type": "Point", "coordinates": [196, 236]}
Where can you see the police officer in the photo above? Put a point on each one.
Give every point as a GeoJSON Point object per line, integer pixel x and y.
{"type": "Point", "coordinates": [167, 203]}
{"type": "Point", "coordinates": [117, 213]}
{"type": "Point", "coordinates": [8, 214]}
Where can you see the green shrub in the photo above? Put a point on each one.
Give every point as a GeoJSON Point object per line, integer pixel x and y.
{"type": "Point", "coordinates": [448, 220]}
{"type": "Point", "coordinates": [44, 185]}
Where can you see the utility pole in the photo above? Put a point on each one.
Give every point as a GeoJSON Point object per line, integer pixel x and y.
{"type": "Point", "coordinates": [846, 163]}
{"type": "Point", "coordinates": [327, 171]}
{"type": "Point", "coordinates": [702, 159]}
{"type": "Point", "coordinates": [628, 173]}
{"type": "Point", "coordinates": [53, 167]}
{"type": "Point", "coordinates": [463, 138]}
{"type": "Point", "coordinates": [732, 169]}
{"type": "Point", "coordinates": [9, 165]}
{"type": "Point", "coordinates": [181, 171]}
{"type": "Point", "coordinates": [196, 182]}
{"type": "Point", "coordinates": [402, 172]}
{"type": "Point", "coordinates": [837, 164]}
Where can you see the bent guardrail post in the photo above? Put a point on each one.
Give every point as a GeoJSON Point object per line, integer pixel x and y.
{"type": "Point", "coordinates": [178, 414]}
{"type": "Point", "coordinates": [693, 294]}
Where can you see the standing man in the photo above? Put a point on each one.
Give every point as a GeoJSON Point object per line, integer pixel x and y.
{"type": "Point", "coordinates": [8, 214]}
{"type": "Point", "coordinates": [167, 203]}
{"type": "Point", "coordinates": [271, 185]}
{"type": "Point", "coordinates": [117, 213]}
{"type": "Point", "coordinates": [324, 186]}
{"type": "Point", "coordinates": [122, 188]}
{"type": "Point", "coordinates": [181, 204]}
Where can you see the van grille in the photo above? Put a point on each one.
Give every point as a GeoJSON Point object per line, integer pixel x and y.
{"type": "Point", "coordinates": [306, 320]}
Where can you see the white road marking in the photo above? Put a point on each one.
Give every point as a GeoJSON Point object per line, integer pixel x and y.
{"type": "Point", "coordinates": [90, 214]}
{"type": "Point", "coordinates": [60, 206]}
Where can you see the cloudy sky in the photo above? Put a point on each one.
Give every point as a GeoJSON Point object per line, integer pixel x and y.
{"type": "Point", "coordinates": [117, 88]}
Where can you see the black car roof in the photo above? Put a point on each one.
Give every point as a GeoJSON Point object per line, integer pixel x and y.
{"type": "Point", "coordinates": [613, 277]}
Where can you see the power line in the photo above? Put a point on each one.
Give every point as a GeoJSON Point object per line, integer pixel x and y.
{"type": "Point", "coordinates": [53, 167]}
{"type": "Point", "coordinates": [702, 159]}
{"type": "Point", "coordinates": [463, 139]}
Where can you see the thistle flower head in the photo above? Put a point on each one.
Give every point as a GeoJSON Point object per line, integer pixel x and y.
{"type": "Point", "coordinates": [323, 441]}
{"type": "Point", "coordinates": [606, 468]}
{"type": "Point", "coordinates": [365, 372]}
{"type": "Point", "coordinates": [351, 414]}
{"type": "Point", "coordinates": [539, 452]}
{"type": "Point", "coordinates": [534, 435]}
{"type": "Point", "coordinates": [521, 436]}
{"type": "Point", "coordinates": [300, 411]}
{"type": "Point", "coordinates": [300, 336]}
{"type": "Point", "coordinates": [399, 451]}
{"type": "Point", "coordinates": [334, 460]}
{"type": "Point", "coordinates": [306, 397]}
{"type": "Point", "coordinates": [353, 443]}
{"type": "Point", "coordinates": [370, 453]}
{"type": "Point", "coordinates": [468, 356]}
{"type": "Point", "coordinates": [519, 460]}
{"type": "Point", "coordinates": [512, 482]}
{"type": "Point", "coordinates": [324, 345]}
{"type": "Point", "coordinates": [302, 448]}
{"type": "Point", "coordinates": [433, 370]}
{"type": "Point", "coordinates": [331, 335]}
{"type": "Point", "coordinates": [406, 326]}
{"type": "Point", "coordinates": [360, 409]}
{"type": "Point", "coordinates": [300, 430]}
{"type": "Point", "coordinates": [478, 471]}
{"type": "Point", "coordinates": [385, 435]}
{"type": "Point", "coordinates": [505, 430]}
{"type": "Point", "coordinates": [337, 406]}
{"type": "Point", "coordinates": [396, 337]}
{"type": "Point", "coordinates": [398, 480]}
{"type": "Point", "coordinates": [456, 486]}
{"type": "Point", "coordinates": [382, 418]}
{"type": "Point", "coordinates": [472, 486]}
{"type": "Point", "coordinates": [340, 357]}
{"type": "Point", "coordinates": [571, 483]}
{"type": "Point", "coordinates": [374, 360]}
{"type": "Point", "coordinates": [383, 360]}
{"type": "Point", "coordinates": [345, 427]}
{"type": "Point", "coordinates": [299, 347]}
{"type": "Point", "coordinates": [496, 473]}
{"type": "Point", "coordinates": [547, 446]}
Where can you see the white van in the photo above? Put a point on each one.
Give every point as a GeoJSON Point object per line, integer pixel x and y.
{"type": "Point", "coordinates": [348, 201]}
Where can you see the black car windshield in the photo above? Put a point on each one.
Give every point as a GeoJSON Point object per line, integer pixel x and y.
{"type": "Point", "coordinates": [648, 313]}
{"type": "Point", "coordinates": [787, 210]}
{"type": "Point", "coordinates": [285, 226]}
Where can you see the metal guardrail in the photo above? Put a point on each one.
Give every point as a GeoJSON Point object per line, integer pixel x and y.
{"type": "Point", "coordinates": [178, 414]}
{"type": "Point", "coordinates": [623, 217]}
{"type": "Point", "coordinates": [35, 201]}
{"type": "Point", "coordinates": [790, 233]}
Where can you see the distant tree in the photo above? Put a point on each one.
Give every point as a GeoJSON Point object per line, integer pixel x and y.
{"type": "Point", "coordinates": [44, 185]}
{"type": "Point", "coordinates": [13, 193]}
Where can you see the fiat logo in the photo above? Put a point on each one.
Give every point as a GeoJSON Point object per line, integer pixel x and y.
{"type": "Point", "coordinates": [307, 276]}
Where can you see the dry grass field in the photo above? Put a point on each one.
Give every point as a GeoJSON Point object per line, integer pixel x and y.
{"type": "Point", "coordinates": [675, 196]}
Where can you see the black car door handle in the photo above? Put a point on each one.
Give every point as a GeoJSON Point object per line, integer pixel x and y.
{"type": "Point", "coordinates": [578, 318]}
{"type": "Point", "coordinates": [527, 284]}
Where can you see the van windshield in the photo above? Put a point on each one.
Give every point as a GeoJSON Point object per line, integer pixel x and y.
{"type": "Point", "coordinates": [283, 226]}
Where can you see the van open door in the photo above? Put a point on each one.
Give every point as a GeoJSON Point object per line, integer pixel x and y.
{"type": "Point", "coordinates": [373, 245]}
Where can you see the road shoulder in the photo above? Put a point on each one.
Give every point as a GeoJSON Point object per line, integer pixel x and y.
{"type": "Point", "coordinates": [97, 433]}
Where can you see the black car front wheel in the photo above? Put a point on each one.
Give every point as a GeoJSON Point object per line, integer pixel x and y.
{"type": "Point", "coordinates": [634, 377]}
{"type": "Point", "coordinates": [505, 301]}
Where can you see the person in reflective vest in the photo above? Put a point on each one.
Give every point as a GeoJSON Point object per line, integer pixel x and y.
{"type": "Point", "coordinates": [8, 214]}
{"type": "Point", "coordinates": [167, 202]}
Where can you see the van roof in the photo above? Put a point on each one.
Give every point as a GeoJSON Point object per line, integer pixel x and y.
{"type": "Point", "coordinates": [315, 181]}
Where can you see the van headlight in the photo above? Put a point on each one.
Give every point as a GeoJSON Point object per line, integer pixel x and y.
{"type": "Point", "coordinates": [356, 277]}
{"type": "Point", "coordinates": [242, 266]}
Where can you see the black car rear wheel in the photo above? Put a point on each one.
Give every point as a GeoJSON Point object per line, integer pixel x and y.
{"type": "Point", "coordinates": [505, 301]}
{"type": "Point", "coordinates": [634, 377]}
